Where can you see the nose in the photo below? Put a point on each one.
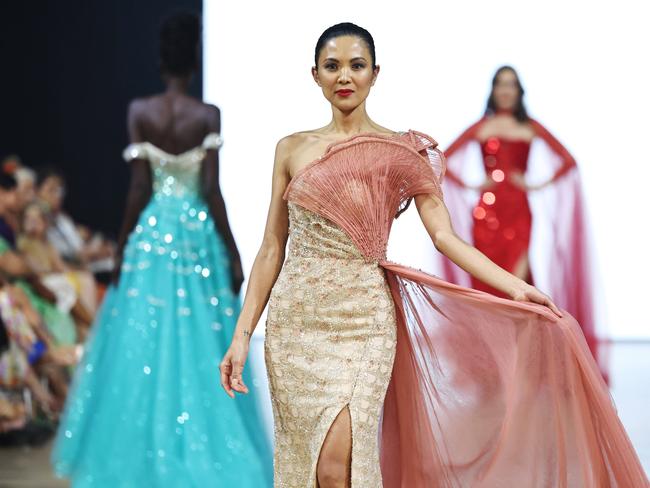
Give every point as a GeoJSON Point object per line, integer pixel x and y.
{"type": "Point", "coordinates": [344, 76]}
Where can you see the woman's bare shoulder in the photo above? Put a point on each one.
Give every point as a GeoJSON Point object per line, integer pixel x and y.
{"type": "Point", "coordinates": [297, 141]}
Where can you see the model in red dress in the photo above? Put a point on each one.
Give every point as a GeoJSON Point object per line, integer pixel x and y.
{"type": "Point", "coordinates": [515, 193]}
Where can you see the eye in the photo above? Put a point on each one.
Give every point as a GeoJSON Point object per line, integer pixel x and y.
{"type": "Point", "coordinates": [358, 66]}
{"type": "Point", "coordinates": [330, 66]}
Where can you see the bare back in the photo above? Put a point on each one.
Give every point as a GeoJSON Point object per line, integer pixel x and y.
{"type": "Point", "coordinates": [173, 122]}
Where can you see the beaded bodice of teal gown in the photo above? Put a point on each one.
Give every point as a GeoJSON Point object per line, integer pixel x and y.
{"type": "Point", "coordinates": [146, 408]}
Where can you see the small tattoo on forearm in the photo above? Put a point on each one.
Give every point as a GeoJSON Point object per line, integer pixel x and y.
{"type": "Point", "coordinates": [247, 334]}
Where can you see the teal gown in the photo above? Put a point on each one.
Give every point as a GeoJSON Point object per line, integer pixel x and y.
{"type": "Point", "coordinates": [146, 408]}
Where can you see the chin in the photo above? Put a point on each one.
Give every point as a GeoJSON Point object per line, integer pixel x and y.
{"type": "Point", "coordinates": [346, 105]}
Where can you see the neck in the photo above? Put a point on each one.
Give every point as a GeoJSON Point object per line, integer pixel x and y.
{"type": "Point", "coordinates": [351, 123]}
{"type": "Point", "coordinates": [504, 111]}
{"type": "Point", "coordinates": [177, 84]}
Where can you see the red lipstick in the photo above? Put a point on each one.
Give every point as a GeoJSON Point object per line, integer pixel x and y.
{"type": "Point", "coordinates": [344, 93]}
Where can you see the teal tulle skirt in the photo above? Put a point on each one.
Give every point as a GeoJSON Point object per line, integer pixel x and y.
{"type": "Point", "coordinates": [146, 408]}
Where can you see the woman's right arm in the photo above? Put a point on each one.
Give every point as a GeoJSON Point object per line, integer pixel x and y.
{"type": "Point", "coordinates": [266, 269]}
{"type": "Point", "coordinates": [211, 191]}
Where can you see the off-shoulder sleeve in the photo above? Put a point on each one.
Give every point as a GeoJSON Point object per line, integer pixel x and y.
{"type": "Point", "coordinates": [426, 172]}
{"type": "Point", "coordinates": [212, 141]}
{"type": "Point", "coordinates": [568, 162]}
{"type": "Point", "coordinates": [455, 165]}
{"type": "Point", "coordinates": [136, 150]}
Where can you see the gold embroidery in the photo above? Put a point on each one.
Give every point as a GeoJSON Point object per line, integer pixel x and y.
{"type": "Point", "coordinates": [330, 342]}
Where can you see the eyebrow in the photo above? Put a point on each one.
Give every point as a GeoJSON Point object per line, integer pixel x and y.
{"type": "Point", "coordinates": [358, 58]}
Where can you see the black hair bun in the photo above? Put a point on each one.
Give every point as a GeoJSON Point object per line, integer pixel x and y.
{"type": "Point", "coordinates": [179, 40]}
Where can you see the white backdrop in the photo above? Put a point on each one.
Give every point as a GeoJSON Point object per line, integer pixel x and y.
{"type": "Point", "coordinates": [584, 67]}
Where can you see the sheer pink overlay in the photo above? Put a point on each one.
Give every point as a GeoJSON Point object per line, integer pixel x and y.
{"type": "Point", "coordinates": [485, 392]}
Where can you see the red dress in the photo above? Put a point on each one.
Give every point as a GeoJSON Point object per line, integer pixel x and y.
{"type": "Point", "coordinates": [502, 216]}
{"type": "Point", "coordinates": [548, 226]}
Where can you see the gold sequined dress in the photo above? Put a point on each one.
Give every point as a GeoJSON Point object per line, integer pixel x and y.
{"type": "Point", "coordinates": [470, 390]}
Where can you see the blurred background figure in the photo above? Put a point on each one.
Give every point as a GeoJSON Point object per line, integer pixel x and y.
{"type": "Point", "coordinates": [514, 191]}
{"type": "Point", "coordinates": [66, 317]}
{"type": "Point", "coordinates": [33, 373]}
{"type": "Point", "coordinates": [77, 244]}
{"type": "Point", "coordinates": [151, 365]}
{"type": "Point", "coordinates": [73, 288]}
{"type": "Point", "coordinates": [26, 187]}
{"type": "Point", "coordinates": [26, 179]}
{"type": "Point", "coordinates": [39, 337]}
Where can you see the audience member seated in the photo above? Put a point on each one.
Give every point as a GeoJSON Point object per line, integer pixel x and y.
{"type": "Point", "coordinates": [14, 267]}
{"type": "Point", "coordinates": [30, 363]}
{"type": "Point", "coordinates": [45, 260]}
{"type": "Point", "coordinates": [46, 304]}
{"type": "Point", "coordinates": [76, 245]}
